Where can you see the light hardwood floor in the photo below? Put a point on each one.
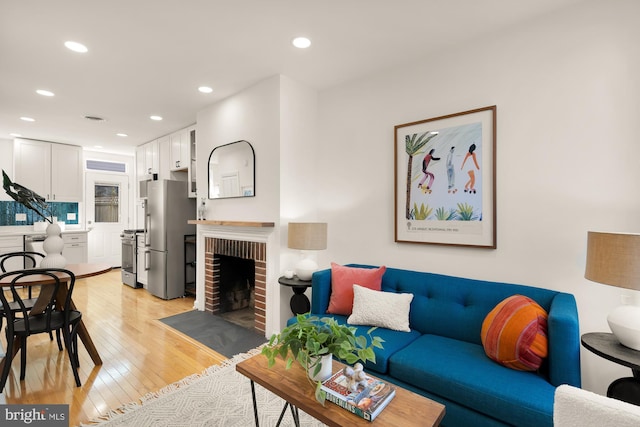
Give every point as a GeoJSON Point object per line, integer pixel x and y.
{"type": "Point", "coordinates": [139, 353]}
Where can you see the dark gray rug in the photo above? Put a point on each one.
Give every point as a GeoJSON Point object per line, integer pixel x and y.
{"type": "Point", "coordinates": [216, 333]}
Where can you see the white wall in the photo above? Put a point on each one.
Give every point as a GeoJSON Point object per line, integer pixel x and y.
{"type": "Point", "coordinates": [6, 162]}
{"type": "Point", "coordinates": [252, 115]}
{"type": "Point", "coordinates": [567, 92]}
{"type": "Point", "coordinates": [298, 172]}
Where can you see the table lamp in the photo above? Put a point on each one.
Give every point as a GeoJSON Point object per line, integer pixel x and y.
{"type": "Point", "coordinates": [614, 259]}
{"type": "Point", "coordinates": [307, 236]}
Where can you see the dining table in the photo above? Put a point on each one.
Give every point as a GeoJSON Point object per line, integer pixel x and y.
{"type": "Point", "coordinates": [81, 271]}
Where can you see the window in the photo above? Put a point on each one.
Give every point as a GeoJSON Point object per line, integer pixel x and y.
{"type": "Point", "coordinates": [107, 203]}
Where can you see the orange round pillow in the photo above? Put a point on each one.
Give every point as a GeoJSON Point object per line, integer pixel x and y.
{"type": "Point", "coordinates": [514, 334]}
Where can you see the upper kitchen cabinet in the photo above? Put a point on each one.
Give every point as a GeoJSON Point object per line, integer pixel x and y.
{"type": "Point", "coordinates": [179, 154]}
{"type": "Point", "coordinates": [148, 160]}
{"type": "Point", "coordinates": [54, 171]}
{"type": "Point", "coordinates": [193, 188]}
{"type": "Point", "coordinates": [171, 157]}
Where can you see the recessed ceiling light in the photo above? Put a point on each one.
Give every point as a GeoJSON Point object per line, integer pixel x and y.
{"type": "Point", "coordinates": [28, 119]}
{"type": "Point", "coordinates": [17, 135]}
{"type": "Point", "coordinates": [123, 135]}
{"type": "Point", "coordinates": [76, 47]}
{"type": "Point", "coordinates": [156, 118]}
{"type": "Point", "coordinates": [205, 89]}
{"type": "Point", "coordinates": [301, 42]}
{"type": "Point", "coordinates": [44, 92]}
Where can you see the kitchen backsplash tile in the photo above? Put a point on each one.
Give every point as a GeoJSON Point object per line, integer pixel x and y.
{"type": "Point", "coordinates": [8, 211]}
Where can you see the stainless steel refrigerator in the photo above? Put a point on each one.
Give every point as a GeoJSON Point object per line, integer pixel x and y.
{"type": "Point", "coordinates": [168, 209]}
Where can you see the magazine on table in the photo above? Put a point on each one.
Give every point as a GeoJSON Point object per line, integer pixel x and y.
{"type": "Point", "coordinates": [367, 401]}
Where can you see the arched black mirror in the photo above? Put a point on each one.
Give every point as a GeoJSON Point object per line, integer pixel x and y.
{"type": "Point", "coordinates": [232, 171]}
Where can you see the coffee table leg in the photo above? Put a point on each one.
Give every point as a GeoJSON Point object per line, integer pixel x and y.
{"type": "Point", "coordinates": [295, 415]}
{"type": "Point", "coordinates": [255, 404]}
{"type": "Point", "coordinates": [294, 409]}
{"type": "Point", "coordinates": [284, 410]}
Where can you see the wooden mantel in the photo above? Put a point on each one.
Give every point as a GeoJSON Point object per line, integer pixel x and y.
{"type": "Point", "coordinates": [232, 223]}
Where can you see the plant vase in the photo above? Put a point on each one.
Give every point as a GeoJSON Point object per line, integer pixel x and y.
{"type": "Point", "coordinates": [326, 367]}
{"type": "Point", "coordinates": [52, 247]}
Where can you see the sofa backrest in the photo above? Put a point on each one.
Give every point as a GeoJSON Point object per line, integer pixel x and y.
{"type": "Point", "coordinates": [448, 306]}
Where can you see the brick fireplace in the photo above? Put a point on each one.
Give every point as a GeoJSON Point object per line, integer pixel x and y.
{"type": "Point", "coordinates": [256, 251]}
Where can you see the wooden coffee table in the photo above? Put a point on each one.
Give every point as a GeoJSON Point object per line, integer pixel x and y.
{"type": "Point", "coordinates": [406, 408]}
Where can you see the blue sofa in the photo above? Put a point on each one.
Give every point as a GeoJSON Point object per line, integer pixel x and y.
{"type": "Point", "coordinates": [442, 356]}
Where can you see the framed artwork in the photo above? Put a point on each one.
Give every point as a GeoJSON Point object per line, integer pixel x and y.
{"type": "Point", "coordinates": [445, 180]}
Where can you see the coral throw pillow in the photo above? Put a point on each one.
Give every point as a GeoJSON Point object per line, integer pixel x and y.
{"type": "Point", "coordinates": [514, 334]}
{"type": "Point", "coordinates": [342, 281]}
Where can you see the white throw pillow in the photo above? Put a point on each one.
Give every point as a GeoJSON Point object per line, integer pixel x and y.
{"type": "Point", "coordinates": [384, 309]}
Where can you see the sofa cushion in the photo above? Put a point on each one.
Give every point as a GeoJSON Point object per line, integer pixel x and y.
{"type": "Point", "coordinates": [383, 309]}
{"type": "Point", "coordinates": [342, 281]}
{"type": "Point", "coordinates": [514, 333]}
{"type": "Point", "coordinates": [393, 341]}
{"type": "Point", "coordinates": [460, 371]}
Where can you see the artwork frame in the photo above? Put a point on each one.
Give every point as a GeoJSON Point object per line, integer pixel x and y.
{"type": "Point", "coordinates": [445, 180]}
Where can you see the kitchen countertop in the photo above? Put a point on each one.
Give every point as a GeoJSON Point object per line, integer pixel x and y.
{"type": "Point", "coordinates": [28, 231]}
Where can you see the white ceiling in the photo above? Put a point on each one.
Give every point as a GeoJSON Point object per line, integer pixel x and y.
{"type": "Point", "coordinates": [149, 56]}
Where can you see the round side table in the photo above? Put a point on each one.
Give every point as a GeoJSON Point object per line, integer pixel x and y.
{"type": "Point", "coordinates": [606, 345]}
{"type": "Point", "coordinates": [299, 302]}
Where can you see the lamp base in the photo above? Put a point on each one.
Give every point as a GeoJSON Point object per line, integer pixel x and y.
{"type": "Point", "coordinates": [624, 322]}
{"type": "Point", "coordinates": [305, 269]}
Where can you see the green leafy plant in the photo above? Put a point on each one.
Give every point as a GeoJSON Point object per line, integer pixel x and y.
{"type": "Point", "coordinates": [465, 212]}
{"type": "Point", "coordinates": [443, 214]}
{"type": "Point", "coordinates": [421, 213]}
{"type": "Point", "coordinates": [311, 337]}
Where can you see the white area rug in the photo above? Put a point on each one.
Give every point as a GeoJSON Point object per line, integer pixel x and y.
{"type": "Point", "coordinates": [218, 397]}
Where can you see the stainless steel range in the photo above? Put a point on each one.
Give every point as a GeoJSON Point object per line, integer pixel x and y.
{"type": "Point", "coordinates": [129, 256]}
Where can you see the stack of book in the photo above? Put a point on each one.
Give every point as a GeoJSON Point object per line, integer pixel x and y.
{"type": "Point", "coordinates": [366, 402]}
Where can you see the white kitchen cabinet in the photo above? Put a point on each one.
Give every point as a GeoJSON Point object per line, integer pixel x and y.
{"type": "Point", "coordinates": [164, 149]}
{"type": "Point", "coordinates": [66, 173]}
{"type": "Point", "coordinates": [75, 247]}
{"type": "Point", "coordinates": [28, 157]}
{"type": "Point", "coordinates": [141, 170]}
{"type": "Point", "coordinates": [179, 154]}
{"type": "Point", "coordinates": [54, 171]}
{"type": "Point", "coordinates": [142, 262]}
{"type": "Point", "coordinates": [147, 160]}
{"type": "Point", "coordinates": [12, 244]}
{"type": "Point", "coordinates": [193, 187]}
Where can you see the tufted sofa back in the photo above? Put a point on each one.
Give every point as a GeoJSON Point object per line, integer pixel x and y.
{"type": "Point", "coordinates": [442, 305]}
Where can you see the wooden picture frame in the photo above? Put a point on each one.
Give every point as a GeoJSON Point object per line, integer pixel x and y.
{"type": "Point", "coordinates": [445, 180]}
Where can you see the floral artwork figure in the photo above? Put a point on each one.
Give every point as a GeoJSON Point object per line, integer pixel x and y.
{"type": "Point", "coordinates": [471, 183]}
{"type": "Point", "coordinates": [451, 174]}
{"type": "Point", "coordinates": [427, 174]}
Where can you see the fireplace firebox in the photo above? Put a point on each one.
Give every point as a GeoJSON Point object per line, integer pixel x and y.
{"type": "Point", "coordinates": [236, 252]}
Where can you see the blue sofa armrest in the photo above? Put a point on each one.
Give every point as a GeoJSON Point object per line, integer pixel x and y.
{"type": "Point", "coordinates": [320, 291]}
{"type": "Point", "coordinates": [564, 341]}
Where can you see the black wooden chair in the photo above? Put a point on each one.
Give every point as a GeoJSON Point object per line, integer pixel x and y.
{"type": "Point", "coordinates": [55, 315]}
{"type": "Point", "coordinates": [23, 260]}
